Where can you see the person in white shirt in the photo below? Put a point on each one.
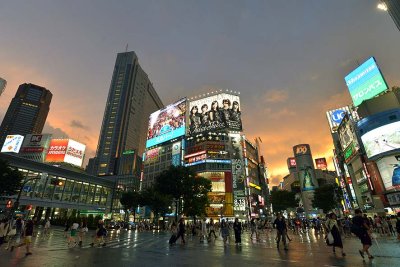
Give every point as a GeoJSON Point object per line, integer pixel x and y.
{"type": "Point", "coordinates": [46, 231]}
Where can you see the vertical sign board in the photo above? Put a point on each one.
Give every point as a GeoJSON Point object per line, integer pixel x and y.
{"type": "Point", "coordinates": [238, 175]}
{"type": "Point", "coordinates": [176, 154]}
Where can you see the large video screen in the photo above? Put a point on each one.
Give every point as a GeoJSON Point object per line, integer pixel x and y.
{"type": "Point", "coordinates": [389, 168]}
{"type": "Point", "coordinates": [215, 113]}
{"type": "Point", "coordinates": [365, 82]}
{"type": "Point", "coordinates": [167, 124]}
{"type": "Point", "coordinates": [382, 139]}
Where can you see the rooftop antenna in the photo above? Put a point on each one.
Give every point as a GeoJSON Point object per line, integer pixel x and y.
{"type": "Point", "coordinates": [126, 47]}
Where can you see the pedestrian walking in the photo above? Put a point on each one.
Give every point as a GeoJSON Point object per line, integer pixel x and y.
{"type": "Point", "coordinates": [73, 232]}
{"type": "Point", "coordinates": [211, 230]}
{"type": "Point", "coordinates": [100, 234]}
{"type": "Point", "coordinates": [82, 231]}
{"type": "Point", "coordinates": [333, 229]}
{"type": "Point", "coordinates": [281, 229]}
{"type": "Point", "coordinates": [224, 231]}
{"type": "Point", "coordinates": [46, 232]}
{"type": "Point", "coordinates": [237, 228]}
{"type": "Point", "coordinates": [181, 231]}
{"type": "Point", "coordinates": [253, 229]}
{"type": "Point", "coordinates": [361, 229]}
{"type": "Point", "coordinates": [203, 230]}
{"type": "Point", "coordinates": [28, 233]}
{"type": "Point", "coordinates": [398, 226]}
{"type": "Point", "coordinates": [4, 226]}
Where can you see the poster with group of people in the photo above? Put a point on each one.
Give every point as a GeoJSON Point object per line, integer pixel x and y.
{"type": "Point", "coordinates": [215, 113]}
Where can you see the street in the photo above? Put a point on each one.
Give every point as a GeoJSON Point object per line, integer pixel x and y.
{"type": "Point", "coordinates": [129, 248]}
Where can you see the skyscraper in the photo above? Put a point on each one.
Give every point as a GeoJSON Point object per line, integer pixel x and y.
{"type": "Point", "coordinates": [3, 84]}
{"type": "Point", "coordinates": [131, 100]}
{"type": "Point", "coordinates": [393, 7]}
{"type": "Point", "coordinates": [27, 112]}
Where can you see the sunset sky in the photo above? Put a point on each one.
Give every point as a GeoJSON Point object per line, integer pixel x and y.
{"type": "Point", "coordinates": [287, 58]}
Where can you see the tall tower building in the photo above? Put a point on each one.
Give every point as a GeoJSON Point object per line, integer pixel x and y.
{"type": "Point", "coordinates": [3, 84]}
{"type": "Point", "coordinates": [27, 112]}
{"type": "Point", "coordinates": [393, 7]}
{"type": "Point", "coordinates": [131, 100]}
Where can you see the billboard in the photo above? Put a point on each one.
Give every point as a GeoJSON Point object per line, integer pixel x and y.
{"type": "Point", "coordinates": [291, 163]}
{"type": "Point", "coordinates": [66, 150]}
{"type": "Point", "coordinates": [321, 164]}
{"type": "Point", "coordinates": [12, 143]}
{"type": "Point", "coordinates": [35, 143]}
{"type": "Point", "coordinates": [346, 132]}
{"type": "Point", "coordinates": [389, 168]}
{"type": "Point", "coordinates": [152, 155]}
{"type": "Point", "coordinates": [365, 82]}
{"type": "Point", "coordinates": [382, 139]}
{"type": "Point", "coordinates": [215, 113]}
{"type": "Point", "coordinates": [336, 116]}
{"type": "Point", "coordinates": [57, 150]}
{"type": "Point", "coordinates": [167, 124]}
{"type": "Point", "coordinates": [75, 153]}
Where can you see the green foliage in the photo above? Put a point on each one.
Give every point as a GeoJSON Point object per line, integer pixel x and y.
{"type": "Point", "coordinates": [181, 183]}
{"type": "Point", "coordinates": [283, 199]}
{"type": "Point", "coordinates": [327, 197]}
{"type": "Point", "coordinates": [10, 179]}
{"type": "Point", "coordinates": [158, 202]}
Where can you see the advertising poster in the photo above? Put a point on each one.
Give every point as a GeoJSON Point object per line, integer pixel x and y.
{"type": "Point", "coordinates": [167, 124]}
{"type": "Point", "coordinates": [57, 150]}
{"type": "Point", "coordinates": [215, 113]}
{"type": "Point", "coordinates": [12, 143]}
{"type": "Point", "coordinates": [321, 163]}
{"type": "Point", "coordinates": [345, 131]}
{"type": "Point", "coordinates": [176, 154]}
{"type": "Point", "coordinates": [365, 82]}
{"type": "Point", "coordinates": [152, 155]}
{"type": "Point", "coordinates": [291, 163]}
{"type": "Point", "coordinates": [336, 116]}
{"type": "Point", "coordinates": [237, 162]}
{"type": "Point", "coordinates": [306, 178]}
{"type": "Point", "coordinates": [389, 168]}
{"type": "Point", "coordinates": [75, 153]}
{"type": "Point", "coordinates": [382, 139]}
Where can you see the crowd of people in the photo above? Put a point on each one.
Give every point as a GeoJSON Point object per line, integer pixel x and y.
{"type": "Point", "coordinates": [19, 232]}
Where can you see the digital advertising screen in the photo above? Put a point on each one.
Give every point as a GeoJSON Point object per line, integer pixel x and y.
{"type": "Point", "coordinates": [167, 124]}
{"type": "Point", "coordinates": [365, 82]}
{"type": "Point", "coordinates": [382, 139]}
{"type": "Point", "coordinates": [389, 168]}
{"type": "Point", "coordinates": [321, 163]}
{"type": "Point", "coordinates": [215, 113]}
{"type": "Point", "coordinates": [12, 143]}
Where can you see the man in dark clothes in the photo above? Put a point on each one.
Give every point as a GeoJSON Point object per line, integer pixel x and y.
{"type": "Point", "coordinates": [281, 229]}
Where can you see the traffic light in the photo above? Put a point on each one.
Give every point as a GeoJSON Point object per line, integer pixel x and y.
{"type": "Point", "coordinates": [9, 204]}
{"type": "Point", "coordinates": [57, 182]}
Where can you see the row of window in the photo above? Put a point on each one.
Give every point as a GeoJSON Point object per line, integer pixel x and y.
{"type": "Point", "coordinates": [71, 191]}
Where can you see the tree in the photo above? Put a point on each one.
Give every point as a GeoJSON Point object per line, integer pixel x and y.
{"type": "Point", "coordinates": [182, 184]}
{"type": "Point", "coordinates": [158, 202]}
{"type": "Point", "coordinates": [283, 199]}
{"type": "Point", "coordinates": [130, 201]}
{"type": "Point", "coordinates": [10, 179]}
{"type": "Point", "coordinates": [327, 197]}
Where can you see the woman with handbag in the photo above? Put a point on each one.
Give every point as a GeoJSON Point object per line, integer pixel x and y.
{"type": "Point", "coordinates": [333, 238]}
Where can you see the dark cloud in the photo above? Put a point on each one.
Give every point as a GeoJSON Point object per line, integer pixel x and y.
{"type": "Point", "coordinates": [78, 124]}
{"type": "Point", "coordinates": [56, 132]}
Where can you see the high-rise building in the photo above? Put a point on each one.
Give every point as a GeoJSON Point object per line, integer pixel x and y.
{"type": "Point", "coordinates": [3, 84]}
{"type": "Point", "coordinates": [393, 7]}
{"type": "Point", "coordinates": [131, 99]}
{"type": "Point", "coordinates": [27, 112]}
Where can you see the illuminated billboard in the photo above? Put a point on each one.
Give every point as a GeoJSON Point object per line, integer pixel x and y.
{"type": "Point", "coordinates": [382, 139]}
{"type": "Point", "coordinates": [12, 143]}
{"type": "Point", "coordinates": [347, 134]}
{"type": "Point", "coordinates": [389, 168]}
{"type": "Point", "coordinates": [215, 113]}
{"type": "Point", "coordinates": [336, 116]}
{"type": "Point", "coordinates": [321, 163]}
{"type": "Point", "coordinates": [167, 124]}
{"type": "Point", "coordinates": [152, 155]}
{"type": "Point", "coordinates": [365, 82]}
{"type": "Point", "coordinates": [66, 150]}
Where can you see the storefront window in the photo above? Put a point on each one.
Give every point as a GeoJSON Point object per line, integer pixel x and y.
{"type": "Point", "coordinates": [40, 184]}
{"type": "Point", "coordinates": [49, 188]}
{"type": "Point", "coordinates": [104, 196]}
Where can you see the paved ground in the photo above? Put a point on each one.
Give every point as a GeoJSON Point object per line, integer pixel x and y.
{"type": "Point", "coordinates": [129, 248]}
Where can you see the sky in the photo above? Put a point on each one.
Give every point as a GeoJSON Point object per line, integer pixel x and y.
{"type": "Point", "coordinates": [286, 58]}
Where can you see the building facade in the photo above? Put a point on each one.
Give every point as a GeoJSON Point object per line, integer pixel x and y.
{"type": "Point", "coordinates": [131, 99]}
{"type": "Point", "coordinates": [27, 112]}
{"type": "Point", "coordinates": [393, 7]}
{"type": "Point", "coordinates": [3, 84]}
